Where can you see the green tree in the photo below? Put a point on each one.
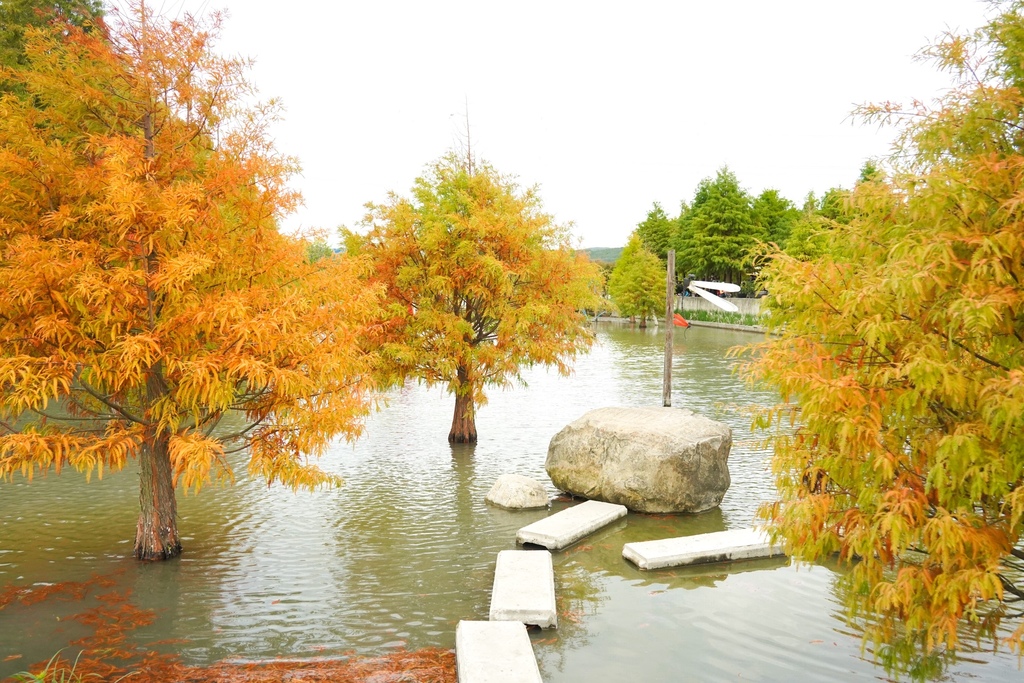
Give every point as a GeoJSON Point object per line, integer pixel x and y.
{"type": "Point", "coordinates": [16, 16]}
{"type": "Point", "coordinates": [835, 206]}
{"type": "Point", "coordinates": [481, 283]}
{"type": "Point", "coordinates": [719, 231]}
{"type": "Point", "coordinates": [637, 283]}
{"type": "Point", "coordinates": [870, 172]}
{"type": "Point", "coordinates": [147, 292]}
{"type": "Point", "coordinates": [809, 234]}
{"type": "Point", "coordinates": [317, 248]}
{"type": "Point", "coordinates": [810, 230]}
{"type": "Point", "coordinates": [900, 358]}
{"type": "Point", "coordinates": [657, 231]}
{"type": "Point", "coordinates": [776, 215]}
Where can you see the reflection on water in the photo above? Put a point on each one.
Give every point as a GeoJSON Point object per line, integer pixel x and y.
{"type": "Point", "coordinates": [406, 548]}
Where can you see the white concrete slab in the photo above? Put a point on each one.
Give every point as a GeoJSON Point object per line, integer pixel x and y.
{"type": "Point", "coordinates": [524, 588]}
{"type": "Point", "coordinates": [563, 528]}
{"type": "Point", "coordinates": [721, 546]}
{"type": "Point", "coordinates": [494, 652]}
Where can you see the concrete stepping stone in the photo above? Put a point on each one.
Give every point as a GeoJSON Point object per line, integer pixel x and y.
{"type": "Point", "coordinates": [568, 526]}
{"type": "Point", "coordinates": [494, 652]}
{"type": "Point", "coordinates": [721, 546]}
{"type": "Point", "coordinates": [524, 588]}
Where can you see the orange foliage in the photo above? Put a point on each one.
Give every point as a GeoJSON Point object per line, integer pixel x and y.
{"type": "Point", "coordinates": [479, 283]}
{"type": "Point", "coordinates": [67, 590]}
{"type": "Point", "coordinates": [148, 293]}
{"type": "Point", "coordinates": [107, 653]}
{"type": "Point", "coordinates": [432, 665]}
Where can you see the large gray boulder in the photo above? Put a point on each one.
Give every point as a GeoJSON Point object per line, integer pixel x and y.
{"type": "Point", "coordinates": [648, 459]}
{"type": "Point", "coordinates": [516, 492]}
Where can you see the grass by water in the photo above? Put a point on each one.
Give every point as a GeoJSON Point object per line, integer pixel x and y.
{"type": "Point", "coordinates": [723, 317]}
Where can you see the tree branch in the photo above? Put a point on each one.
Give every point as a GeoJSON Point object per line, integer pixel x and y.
{"type": "Point", "coordinates": [981, 357]}
{"type": "Point", "coordinates": [108, 403]}
{"type": "Point", "coordinates": [67, 418]}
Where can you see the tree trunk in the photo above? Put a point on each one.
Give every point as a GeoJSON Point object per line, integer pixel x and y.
{"type": "Point", "coordinates": [464, 421]}
{"type": "Point", "coordinates": [156, 537]}
{"type": "Point", "coordinates": [643, 322]}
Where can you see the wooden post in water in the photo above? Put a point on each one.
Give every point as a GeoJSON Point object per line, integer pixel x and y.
{"type": "Point", "coordinates": [670, 298]}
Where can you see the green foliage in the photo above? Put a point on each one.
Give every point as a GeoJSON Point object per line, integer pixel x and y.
{"type": "Point", "coordinates": [604, 305]}
{"type": "Point", "coordinates": [607, 255]}
{"type": "Point", "coordinates": [835, 206]}
{"type": "Point", "coordinates": [900, 361]}
{"type": "Point", "coordinates": [870, 172]}
{"type": "Point", "coordinates": [809, 234]}
{"type": "Point", "coordinates": [719, 231]}
{"type": "Point", "coordinates": [637, 284]}
{"type": "Point", "coordinates": [317, 249]}
{"type": "Point", "coordinates": [810, 230]}
{"type": "Point", "coordinates": [17, 16]}
{"type": "Point", "coordinates": [776, 215]}
{"type": "Point", "coordinates": [725, 317]}
{"type": "Point", "coordinates": [657, 231]}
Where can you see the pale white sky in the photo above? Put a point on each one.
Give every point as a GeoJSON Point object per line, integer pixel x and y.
{"type": "Point", "coordinates": [607, 106]}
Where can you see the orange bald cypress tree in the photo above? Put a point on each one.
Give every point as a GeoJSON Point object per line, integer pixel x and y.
{"type": "Point", "coordinates": [147, 292]}
{"type": "Point", "coordinates": [480, 283]}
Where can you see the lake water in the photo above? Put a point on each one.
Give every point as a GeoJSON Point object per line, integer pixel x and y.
{"type": "Point", "coordinates": [406, 548]}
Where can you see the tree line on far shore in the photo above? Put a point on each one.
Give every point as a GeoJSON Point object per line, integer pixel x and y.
{"type": "Point", "coordinates": [717, 236]}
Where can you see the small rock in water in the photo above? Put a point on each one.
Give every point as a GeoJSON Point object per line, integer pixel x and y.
{"type": "Point", "coordinates": [516, 492]}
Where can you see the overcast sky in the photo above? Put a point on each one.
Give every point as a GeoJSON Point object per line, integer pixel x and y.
{"type": "Point", "coordinates": [607, 107]}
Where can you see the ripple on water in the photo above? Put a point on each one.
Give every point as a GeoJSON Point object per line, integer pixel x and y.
{"type": "Point", "coordinates": [406, 548]}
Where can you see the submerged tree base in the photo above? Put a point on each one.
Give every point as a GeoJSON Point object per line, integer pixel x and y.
{"type": "Point", "coordinates": [167, 553]}
{"type": "Point", "coordinates": [462, 438]}
{"type": "Point", "coordinates": [464, 419]}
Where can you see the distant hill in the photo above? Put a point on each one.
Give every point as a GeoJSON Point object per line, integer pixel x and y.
{"type": "Point", "coordinates": [604, 254]}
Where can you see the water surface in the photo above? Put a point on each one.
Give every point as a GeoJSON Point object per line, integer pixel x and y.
{"type": "Point", "coordinates": [406, 548]}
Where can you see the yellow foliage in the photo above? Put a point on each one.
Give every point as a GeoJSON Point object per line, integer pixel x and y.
{"type": "Point", "coordinates": [197, 459]}
{"type": "Point", "coordinates": [899, 355]}
{"type": "Point", "coordinates": [478, 281]}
